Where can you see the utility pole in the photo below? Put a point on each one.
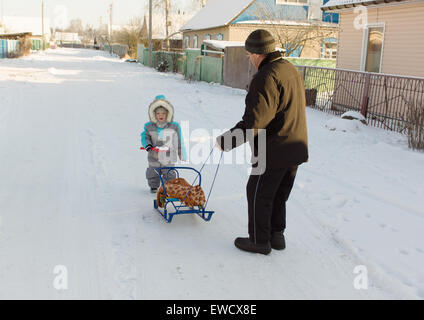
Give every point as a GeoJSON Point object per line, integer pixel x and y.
{"type": "Point", "coordinates": [2, 11]}
{"type": "Point", "coordinates": [150, 34]}
{"type": "Point", "coordinates": [110, 29]}
{"type": "Point", "coordinates": [42, 24]}
{"type": "Point", "coordinates": [167, 22]}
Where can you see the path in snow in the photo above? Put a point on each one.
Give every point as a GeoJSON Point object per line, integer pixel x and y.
{"type": "Point", "coordinates": [73, 194]}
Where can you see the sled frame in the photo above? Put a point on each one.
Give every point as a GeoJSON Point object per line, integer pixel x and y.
{"type": "Point", "coordinates": [176, 206]}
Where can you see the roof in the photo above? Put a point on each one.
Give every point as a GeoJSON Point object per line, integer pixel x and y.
{"type": "Point", "coordinates": [217, 13]}
{"type": "Point", "coordinates": [14, 36]}
{"type": "Point", "coordinates": [341, 4]}
{"type": "Point", "coordinates": [220, 44]}
{"type": "Point", "coordinates": [289, 23]}
{"type": "Point", "coordinates": [14, 24]}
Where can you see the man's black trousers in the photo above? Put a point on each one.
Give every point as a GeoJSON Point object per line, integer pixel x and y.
{"type": "Point", "coordinates": [266, 197]}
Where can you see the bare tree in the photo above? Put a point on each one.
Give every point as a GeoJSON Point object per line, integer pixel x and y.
{"type": "Point", "coordinates": [75, 26]}
{"type": "Point", "coordinates": [414, 121]}
{"type": "Point", "coordinates": [293, 35]}
{"type": "Point", "coordinates": [164, 5]}
{"type": "Point", "coordinates": [131, 35]}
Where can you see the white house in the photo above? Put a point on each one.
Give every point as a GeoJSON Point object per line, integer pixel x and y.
{"type": "Point", "coordinates": [14, 24]}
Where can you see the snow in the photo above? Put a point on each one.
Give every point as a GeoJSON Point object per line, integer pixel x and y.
{"type": "Point", "coordinates": [350, 121]}
{"type": "Point", "coordinates": [353, 114]}
{"type": "Point", "coordinates": [220, 44]}
{"type": "Point", "coordinates": [16, 24]}
{"type": "Point", "coordinates": [74, 195]}
{"type": "Point", "coordinates": [344, 125]}
{"type": "Point", "coordinates": [216, 13]}
{"type": "Point", "coordinates": [333, 4]}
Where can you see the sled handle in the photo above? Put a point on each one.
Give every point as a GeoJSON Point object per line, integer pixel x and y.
{"type": "Point", "coordinates": [155, 149]}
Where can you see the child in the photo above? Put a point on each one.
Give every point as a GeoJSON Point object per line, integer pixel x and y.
{"type": "Point", "coordinates": [162, 132]}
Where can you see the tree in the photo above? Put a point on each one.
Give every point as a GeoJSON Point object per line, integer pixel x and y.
{"type": "Point", "coordinates": [75, 26]}
{"type": "Point", "coordinates": [132, 34]}
{"type": "Point", "coordinates": [165, 6]}
{"type": "Point", "coordinates": [292, 35]}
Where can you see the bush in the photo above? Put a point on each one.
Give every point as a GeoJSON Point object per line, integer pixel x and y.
{"type": "Point", "coordinates": [163, 66]}
{"type": "Point", "coordinates": [415, 126]}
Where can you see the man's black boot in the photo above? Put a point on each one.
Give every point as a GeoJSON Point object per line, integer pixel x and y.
{"type": "Point", "coordinates": [247, 245]}
{"type": "Point", "coordinates": [278, 242]}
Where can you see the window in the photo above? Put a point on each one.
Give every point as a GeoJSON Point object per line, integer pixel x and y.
{"type": "Point", "coordinates": [195, 41]}
{"type": "Point", "coordinates": [187, 41]}
{"type": "Point", "coordinates": [329, 48]}
{"type": "Point", "coordinates": [291, 50]}
{"type": "Point", "coordinates": [208, 37]}
{"type": "Point", "coordinates": [219, 36]}
{"type": "Point", "coordinates": [373, 48]}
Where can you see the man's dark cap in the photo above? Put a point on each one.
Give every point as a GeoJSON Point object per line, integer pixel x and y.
{"type": "Point", "coordinates": [260, 41]}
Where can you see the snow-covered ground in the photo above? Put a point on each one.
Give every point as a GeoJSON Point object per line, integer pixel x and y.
{"type": "Point", "coordinates": [74, 203]}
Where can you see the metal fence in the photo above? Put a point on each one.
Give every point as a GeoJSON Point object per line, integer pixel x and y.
{"type": "Point", "coordinates": [9, 48]}
{"type": "Point", "coordinates": [383, 99]}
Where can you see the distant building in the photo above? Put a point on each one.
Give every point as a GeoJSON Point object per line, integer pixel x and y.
{"type": "Point", "coordinates": [391, 42]}
{"type": "Point", "coordinates": [13, 24]}
{"type": "Point", "coordinates": [234, 20]}
{"type": "Point", "coordinates": [67, 38]}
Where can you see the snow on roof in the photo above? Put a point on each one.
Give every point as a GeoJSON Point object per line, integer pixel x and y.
{"type": "Point", "coordinates": [14, 24]}
{"type": "Point", "coordinates": [220, 44]}
{"type": "Point", "coordinates": [217, 13]}
{"type": "Point", "coordinates": [339, 4]}
{"type": "Point", "coordinates": [287, 23]}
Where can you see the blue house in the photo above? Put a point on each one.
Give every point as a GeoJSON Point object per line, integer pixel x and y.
{"type": "Point", "coordinates": [233, 20]}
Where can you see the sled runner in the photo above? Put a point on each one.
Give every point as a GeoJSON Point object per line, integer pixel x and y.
{"type": "Point", "coordinates": [168, 206]}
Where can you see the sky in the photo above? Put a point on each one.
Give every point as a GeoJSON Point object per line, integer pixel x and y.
{"type": "Point", "coordinates": [90, 11]}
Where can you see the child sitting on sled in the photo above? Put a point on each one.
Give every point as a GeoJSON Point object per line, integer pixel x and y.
{"type": "Point", "coordinates": [161, 133]}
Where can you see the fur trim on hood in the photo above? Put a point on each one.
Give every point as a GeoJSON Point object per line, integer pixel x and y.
{"type": "Point", "coordinates": [161, 102]}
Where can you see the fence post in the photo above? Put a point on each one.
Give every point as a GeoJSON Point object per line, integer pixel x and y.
{"type": "Point", "coordinates": [365, 98]}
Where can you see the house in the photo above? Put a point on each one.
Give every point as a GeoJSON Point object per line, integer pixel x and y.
{"type": "Point", "coordinates": [390, 40]}
{"type": "Point", "coordinates": [310, 33]}
{"type": "Point", "coordinates": [15, 24]}
{"type": "Point", "coordinates": [67, 38]}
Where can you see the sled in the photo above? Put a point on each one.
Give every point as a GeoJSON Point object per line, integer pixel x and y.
{"type": "Point", "coordinates": [174, 206]}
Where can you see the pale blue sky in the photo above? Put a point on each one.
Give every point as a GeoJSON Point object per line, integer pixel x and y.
{"type": "Point", "coordinates": [89, 11]}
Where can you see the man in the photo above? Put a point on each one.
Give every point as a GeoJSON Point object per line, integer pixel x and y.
{"type": "Point", "coordinates": [276, 103]}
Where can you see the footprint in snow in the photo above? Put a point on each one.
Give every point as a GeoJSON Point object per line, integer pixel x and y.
{"type": "Point", "coordinates": [341, 203]}
{"type": "Point", "coordinates": [180, 273]}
